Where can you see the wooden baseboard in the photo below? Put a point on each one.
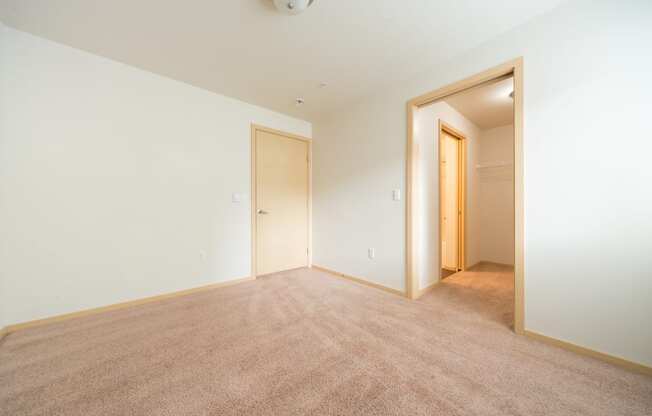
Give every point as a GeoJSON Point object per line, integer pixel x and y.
{"type": "Point", "coordinates": [58, 318]}
{"type": "Point", "coordinates": [621, 362]}
{"type": "Point", "coordinates": [476, 264]}
{"type": "Point", "coordinates": [359, 280]}
{"type": "Point", "coordinates": [493, 263]}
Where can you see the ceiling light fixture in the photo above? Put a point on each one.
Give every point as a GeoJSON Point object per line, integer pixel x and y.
{"type": "Point", "coordinates": [292, 6]}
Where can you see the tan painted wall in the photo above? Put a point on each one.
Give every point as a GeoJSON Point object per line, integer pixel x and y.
{"type": "Point", "coordinates": [496, 194]}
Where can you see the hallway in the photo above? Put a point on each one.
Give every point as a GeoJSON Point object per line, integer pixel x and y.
{"type": "Point", "coordinates": [487, 289]}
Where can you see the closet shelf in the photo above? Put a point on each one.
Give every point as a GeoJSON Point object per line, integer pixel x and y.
{"type": "Point", "coordinates": [499, 164]}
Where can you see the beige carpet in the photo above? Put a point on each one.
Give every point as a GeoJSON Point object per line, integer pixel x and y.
{"type": "Point", "coordinates": [306, 343]}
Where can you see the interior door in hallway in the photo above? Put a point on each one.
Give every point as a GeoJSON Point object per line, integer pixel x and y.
{"type": "Point", "coordinates": [451, 195]}
{"type": "Point", "coordinates": [282, 198]}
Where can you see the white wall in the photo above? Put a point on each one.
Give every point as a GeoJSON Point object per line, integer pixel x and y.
{"type": "Point", "coordinates": [3, 57]}
{"type": "Point", "coordinates": [588, 267]}
{"type": "Point", "coordinates": [426, 140]}
{"type": "Point", "coordinates": [496, 195]}
{"type": "Point", "coordinates": [112, 180]}
{"type": "Point", "coordinates": [353, 209]}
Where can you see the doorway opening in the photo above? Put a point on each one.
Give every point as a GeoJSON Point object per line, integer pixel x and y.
{"type": "Point", "coordinates": [451, 252]}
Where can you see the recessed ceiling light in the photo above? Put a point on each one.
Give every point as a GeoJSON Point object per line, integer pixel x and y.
{"type": "Point", "coordinates": [322, 84]}
{"type": "Point", "coordinates": [292, 6]}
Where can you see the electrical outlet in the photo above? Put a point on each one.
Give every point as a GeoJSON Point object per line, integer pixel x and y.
{"type": "Point", "coordinates": [371, 253]}
{"type": "Point", "coordinates": [396, 194]}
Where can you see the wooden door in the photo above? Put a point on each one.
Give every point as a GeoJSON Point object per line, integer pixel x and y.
{"type": "Point", "coordinates": [282, 192]}
{"type": "Point", "coordinates": [451, 201]}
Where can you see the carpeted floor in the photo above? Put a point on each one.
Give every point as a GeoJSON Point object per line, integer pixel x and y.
{"type": "Point", "coordinates": [306, 343]}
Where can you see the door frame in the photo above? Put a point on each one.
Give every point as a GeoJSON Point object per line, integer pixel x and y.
{"type": "Point", "coordinates": [515, 69]}
{"type": "Point", "coordinates": [254, 235]}
{"type": "Point", "coordinates": [443, 127]}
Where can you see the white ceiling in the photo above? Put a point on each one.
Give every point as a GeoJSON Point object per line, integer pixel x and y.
{"type": "Point", "coordinates": [244, 49]}
{"type": "Point", "coordinates": [486, 106]}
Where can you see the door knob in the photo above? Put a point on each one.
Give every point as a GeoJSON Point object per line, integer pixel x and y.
{"type": "Point", "coordinates": [262, 212]}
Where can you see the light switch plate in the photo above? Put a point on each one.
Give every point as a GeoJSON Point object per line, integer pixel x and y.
{"type": "Point", "coordinates": [396, 194]}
